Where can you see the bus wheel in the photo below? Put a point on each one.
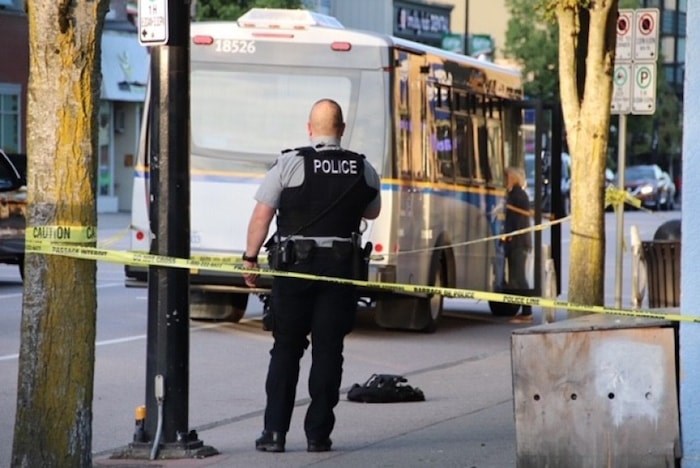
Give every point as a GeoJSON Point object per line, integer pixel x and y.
{"type": "Point", "coordinates": [433, 304]}
{"type": "Point", "coordinates": [228, 307]}
{"type": "Point", "coordinates": [501, 309]}
{"type": "Point", "coordinates": [412, 313]}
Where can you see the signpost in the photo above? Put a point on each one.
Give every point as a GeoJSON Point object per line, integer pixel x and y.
{"type": "Point", "coordinates": [634, 91]}
{"type": "Point", "coordinates": [153, 22]}
{"type": "Point", "coordinates": [453, 43]}
{"type": "Point", "coordinates": [622, 90]}
{"type": "Point", "coordinates": [634, 79]}
{"type": "Point", "coordinates": [644, 88]}
{"type": "Point", "coordinates": [623, 48]}
{"type": "Point", "coordinates": [646, 35]}
{"type": "Point", "coordinates": [163, 432]}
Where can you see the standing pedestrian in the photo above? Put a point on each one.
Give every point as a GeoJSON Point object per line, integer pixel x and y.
{"type": "Point", "coordinates": [320, 195]}
{"type": "Point", "coordinates": [517, 247]}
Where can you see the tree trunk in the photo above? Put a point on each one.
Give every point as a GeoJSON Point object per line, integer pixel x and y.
{"type": "Point", "coordinates": [586, 96]}
{"type": "Point", "coordinates": [53, 425]}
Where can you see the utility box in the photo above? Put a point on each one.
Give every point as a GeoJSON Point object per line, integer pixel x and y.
{"type": "Point", "coordinates": [596, 391]}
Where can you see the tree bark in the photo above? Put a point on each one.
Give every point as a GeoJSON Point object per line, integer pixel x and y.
{"type": "Point", "coordinates": [53, 425]}
{"type": "Point", "coordinates": [586, 96]}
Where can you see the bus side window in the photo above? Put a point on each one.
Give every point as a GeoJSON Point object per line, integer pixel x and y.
{"type": "Point", "coordinates": [403, 141]}
{"type": "Point", "coordinates": [495, 146]}
{"type": "Point", "coordinates": [483, 145]}
{"type": "Point", "coordinates": [476, 147]}
{"type": "Point", "coordinates": [464, 147]}
{"type": "Point", "coordinates": [443, 149]}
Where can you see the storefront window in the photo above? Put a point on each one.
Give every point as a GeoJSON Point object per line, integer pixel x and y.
{"type": "Point", "coordinates": [9, 118]}
{"type": "Point", "coordinates": [104, 162]}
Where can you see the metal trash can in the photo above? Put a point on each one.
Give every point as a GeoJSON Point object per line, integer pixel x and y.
{"type": "Point", "coordinates": [670, 230]}
{"type": "Point", "coordinates": [663, 260]}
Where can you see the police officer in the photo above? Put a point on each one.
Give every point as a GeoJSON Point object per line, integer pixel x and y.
{"type": "Point", "coordinates": [320, 194]}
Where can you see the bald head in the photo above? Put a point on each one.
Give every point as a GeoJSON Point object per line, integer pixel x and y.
{"type": "Point", "coordinates": [326, 119]}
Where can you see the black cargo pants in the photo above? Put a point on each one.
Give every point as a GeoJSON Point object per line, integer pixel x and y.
{"type": "Point", "coordinates": [517, 276]}
{"type": "Point", "coordinates": [326, 311]}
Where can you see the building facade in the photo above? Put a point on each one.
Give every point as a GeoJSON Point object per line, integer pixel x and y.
{"type": "Point", "coordinates": [487, 25]}
{"type": "Point", "coordinates": [124, 66]}
{"type": "Point", "coordinates": [479, 28]}
{"type": "Point", "coordinates": [14, 76]}
{"type": "Point", "coordinates": [672, 38]}
{"type": "Point", "coordinates": [418, 21]}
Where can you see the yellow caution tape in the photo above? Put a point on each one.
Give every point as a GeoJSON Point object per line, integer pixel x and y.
{"type": "Point", "coordinates": [114, 238]}
{"type": "Point", "coordinates": [66, 234]}
{"type": "Point", "coordinates": [69, 235]}
{"type": "Point", "coordinates": [536, 227]}
{"type": "Point", "coordinates": [617, 198]}
{"type": "Point", "coordinates": [135, 258]}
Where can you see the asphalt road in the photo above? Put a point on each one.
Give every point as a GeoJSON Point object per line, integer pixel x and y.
{"type": "Point", "coordinates": [228, 361]}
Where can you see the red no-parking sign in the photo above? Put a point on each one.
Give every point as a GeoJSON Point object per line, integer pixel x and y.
{"type": "Point", "coordinates": [646, 34]}
{"type": "Point", "coordinates": [625, 35]}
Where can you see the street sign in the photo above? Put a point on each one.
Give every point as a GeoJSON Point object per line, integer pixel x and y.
{"type": "Point", "coordinates": [634, 74]}
{"type": "Point", "coordinates": [644, 88]}
{"type": "Point", "coordinates": [625, 35]}
{"type": "Point", "coordinates": [480, 44]}
{"type": "Point", "coordinates": [453, 43]}
{"type": "Point", "coordinates": [153, 22]}
{"type": "Point", "coordinates": [646, 34]}
{"type": "Point", "coordinates": [622, 89]}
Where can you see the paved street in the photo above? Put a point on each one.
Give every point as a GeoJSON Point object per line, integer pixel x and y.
{"type": "Point", "coordinates": [464, 370]}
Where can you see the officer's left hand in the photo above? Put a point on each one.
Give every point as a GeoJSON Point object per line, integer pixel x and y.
{"type": "Point", "coordinates": [250, 278]}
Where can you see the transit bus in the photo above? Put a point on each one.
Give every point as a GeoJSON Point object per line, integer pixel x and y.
{"type": "Point", "coordinates": [439, 127]}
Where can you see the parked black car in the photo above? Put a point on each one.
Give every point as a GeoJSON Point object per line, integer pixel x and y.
{"type": "Point", "coordinates": [13, 210]}
{"type": "Point", "coordinates": [651, 185]}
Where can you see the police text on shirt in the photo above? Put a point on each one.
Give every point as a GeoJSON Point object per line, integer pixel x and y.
{"type": "Point", "coordinates": [335, 166]}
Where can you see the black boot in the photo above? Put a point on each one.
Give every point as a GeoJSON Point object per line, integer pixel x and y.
{"type": "Point", "coordinates": [270, 441]}
{"type": "Point", "coordinates": [323, 445]}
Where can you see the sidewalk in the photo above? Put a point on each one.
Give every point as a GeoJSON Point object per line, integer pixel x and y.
{"type": "Point", "coordinates": [466, 421]}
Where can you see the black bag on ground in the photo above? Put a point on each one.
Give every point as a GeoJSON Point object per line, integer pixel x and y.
{"type": "Point", "coordinates": [385, 388]}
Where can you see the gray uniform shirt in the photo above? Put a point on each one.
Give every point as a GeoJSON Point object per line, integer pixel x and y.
{"type": "Point", "coordinates": [288, 171]}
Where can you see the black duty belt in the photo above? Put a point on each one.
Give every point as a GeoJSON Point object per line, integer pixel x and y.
{"type": "Point", "coordinates": [320, 242]}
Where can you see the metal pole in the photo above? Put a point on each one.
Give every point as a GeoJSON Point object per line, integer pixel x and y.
{"type": "Point", "coordinates": [558, 205]}
{"type": "Point", "coordinates": [539, 176]}
{"type": "Point", "coordinates": [466, 27]}
{"type": "Point", "coordinates": [168, 288]}
{"type": "Point", "coordinates": [620, 210]}
{"type": "Point", "coordinates": [168, 346]}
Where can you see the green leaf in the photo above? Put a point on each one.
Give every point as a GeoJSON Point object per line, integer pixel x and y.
{"type": "Point", "coordinates": [532, 40]}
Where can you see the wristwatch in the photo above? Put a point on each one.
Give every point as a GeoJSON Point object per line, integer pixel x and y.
{"type": "Point", "coordinates": [253, 259]}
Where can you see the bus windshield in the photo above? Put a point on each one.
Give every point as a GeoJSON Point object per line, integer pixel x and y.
{"type": "Point", "coordinates": [257, 111]}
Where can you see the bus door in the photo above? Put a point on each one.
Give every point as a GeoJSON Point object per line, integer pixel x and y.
{"type": "Point", "coordinates": [541, 149]}
{"type": "Point", "coordinates": [411, 156]}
